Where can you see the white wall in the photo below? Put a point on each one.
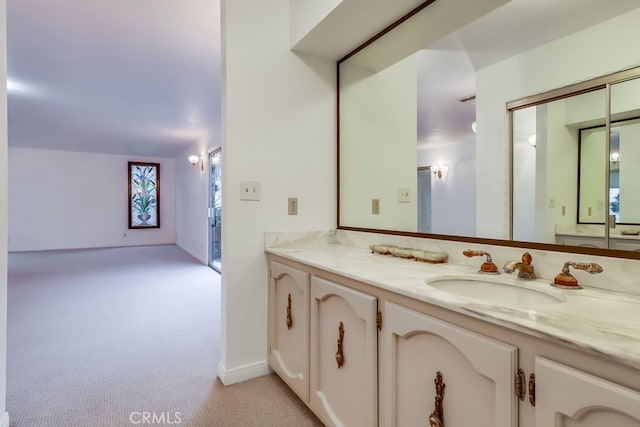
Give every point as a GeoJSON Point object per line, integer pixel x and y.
{"type": "Point", "coordinates": [378, 123]}
{"type": "Point", "coordinates": [306, 14]}
{"type": "Point", "coordinates": [4, 417]}
{"type": "Point", "coordinates": [453, 197]}
{"type": "Point", "coordinates": [557, 64]}
{"type": "Point", "coordinates": [192, 200]}
{"type": "Point", "coordinates": [629, 173]}
{"type": "Point", "coordinates": [278, 129]}
{"type": "Point", "coordinates": [66, 200]}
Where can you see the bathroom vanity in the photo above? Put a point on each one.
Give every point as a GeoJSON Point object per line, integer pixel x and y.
{"type": "Point", "coordinates": [363, 339]}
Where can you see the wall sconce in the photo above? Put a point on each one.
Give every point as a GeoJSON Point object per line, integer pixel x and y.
{"type": "Point", "coordinates": [473, 127]}
{"type": "Point", "coordinates": [532, 140]}
{"type": "Point", "coordinates": [439, 170]}
{"type": "Point", "coordinates": [196, 161]}
{"type": "Point", "coordinates": [615, 158]}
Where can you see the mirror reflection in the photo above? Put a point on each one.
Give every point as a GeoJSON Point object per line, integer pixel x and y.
{"type": "Point", "coordinates": [570, 146]}
{"type": "Point", "coordinates": [425, 138]}
{"type": "Point", "coordinates": [559, 171]}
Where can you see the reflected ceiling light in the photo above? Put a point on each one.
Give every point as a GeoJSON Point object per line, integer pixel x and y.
{"type": "Point", "coordinates": [473, 127]}
{"type": "Point", "coordinates": [614, 157]}
{"type": "Point", "coordinates": [16, 87]}
{"type": "Point", "coordinates": [196, 161]}
{"type": "Point", "coordinates": [532, 140]}
{"type": "Point", "coordinates": [439, 170]}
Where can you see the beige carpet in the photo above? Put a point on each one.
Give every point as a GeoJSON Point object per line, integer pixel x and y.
{"type": "Point", "coordinates": [107, 337]}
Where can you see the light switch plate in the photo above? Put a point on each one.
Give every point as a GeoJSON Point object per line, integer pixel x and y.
{"type": "Point", "coordinates": [249, 190]}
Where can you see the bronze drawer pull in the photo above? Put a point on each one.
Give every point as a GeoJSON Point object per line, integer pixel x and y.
{"type": "Point", "coordinates": [521, 383]}
{"type": "Point", "coordinates": [436, 419]}
{"type": "Point", "coordinates": [532, 389]}
{"type": "Point", "coordinates": [289, 319]}
{"type": "Point", "coordinates": [339, 355]}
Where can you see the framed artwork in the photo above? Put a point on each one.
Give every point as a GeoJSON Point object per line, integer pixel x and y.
{"type": "Point", "coordinates": [144, 195]}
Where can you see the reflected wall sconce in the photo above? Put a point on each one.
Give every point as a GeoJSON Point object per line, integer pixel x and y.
{"type": "Point", "coordinates": [532, 140]}
{"type": "Point", "coordinates": [439, 170]}
{"type": "Point", "coordinates": [615, 158]}
{"type": "Point", "coordinates": [473, 127]}
{"type": "Point", "coordinates": [196, 161]}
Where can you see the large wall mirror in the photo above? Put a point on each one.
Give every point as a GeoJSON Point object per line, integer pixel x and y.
{"type": "Point", "coordinates": [427, 144]}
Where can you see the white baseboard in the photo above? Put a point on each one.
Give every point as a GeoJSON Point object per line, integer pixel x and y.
{"type": "Point", "coordinates": [242, 373]}
{"type": "Point", "coordinates": [4, 421]}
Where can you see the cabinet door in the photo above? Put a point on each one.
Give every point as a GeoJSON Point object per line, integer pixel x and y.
{"type": "Point", "coordinates": [343, 322]}
{"type": "Point", "coordinates": [478, 373]}
{"type": "Point", "coordinates": [289, 326]}
{"type": "Point", "coordinates": [566, 397]}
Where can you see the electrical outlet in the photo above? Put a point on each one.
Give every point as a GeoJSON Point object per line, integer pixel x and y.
{"type": "Point", "coordinates": [293, 206]}
{"type": "Point", "coordinates": [375, 206]}
{"type": "Point", "coordinates": [403, 195]}
{"type": "Point", "coordinates": [249, 190]}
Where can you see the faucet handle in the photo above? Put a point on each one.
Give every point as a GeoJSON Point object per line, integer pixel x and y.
{"type": "Point", "coordinates": [527, 258]}
{"type": "Point", "coordinates": [566, 280]}
{"type": "Point", "coordinates": [488, 266]}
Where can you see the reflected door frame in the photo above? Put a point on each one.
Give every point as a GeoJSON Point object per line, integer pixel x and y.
{"type": "Point", "coordinates": [214, 220]}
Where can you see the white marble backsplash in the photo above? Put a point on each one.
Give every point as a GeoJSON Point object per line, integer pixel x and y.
{"type": "Point", "coordinates": [299, 238]}
{"type": "Point", "coordinates": [620, 275]}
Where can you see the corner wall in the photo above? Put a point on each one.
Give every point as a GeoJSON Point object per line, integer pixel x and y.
{"type": "Point", "coordinates": [192, 201]}
{"type": "Point", "coordinates": [72, 200]}
{"type": "Point", "coordinates": [4, 416]}
{"type": "Point", "coordinates": [278, 120]}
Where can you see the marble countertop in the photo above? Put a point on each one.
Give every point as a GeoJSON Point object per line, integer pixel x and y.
{"type": "Point", "coordinates": [598, 321]}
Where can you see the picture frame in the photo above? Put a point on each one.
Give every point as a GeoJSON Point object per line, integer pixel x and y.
{"type": "Point", "coordinates": [144, 195]}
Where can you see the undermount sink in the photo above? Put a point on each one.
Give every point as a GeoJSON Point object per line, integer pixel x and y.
{"type": "Point", "coordinates": [507, 292]}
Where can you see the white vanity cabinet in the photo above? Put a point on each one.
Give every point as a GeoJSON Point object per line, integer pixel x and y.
{"type": "Point", "coordinates": [478, 373]}
{"type": "Point", "coordinates": [360, 355]}
{"type": "Point", "coordinates": [289, 326]}
{"type": "Point", "coordinates": [625, 244]}
{"type": "Point", "coordinates": [584, 241]}
{"type": "Point", "coordinates": [343, 355]}
{"type": "Point", "coordinates": [567, 397]}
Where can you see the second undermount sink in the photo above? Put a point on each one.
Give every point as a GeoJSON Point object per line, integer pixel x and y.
{"type": "Point", "coordinates": [505, 292]}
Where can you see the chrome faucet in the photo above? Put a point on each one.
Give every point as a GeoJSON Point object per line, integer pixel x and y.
{"type": "Point", "coordinates": [488, 266]}
{"type": "Point", "coordinates": [566, 280]}
{"type": "Point", "coordinates": [525, 268]}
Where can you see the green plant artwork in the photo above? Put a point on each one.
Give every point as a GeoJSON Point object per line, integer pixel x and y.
{"type": "Point", "coordinates": [144, 195]}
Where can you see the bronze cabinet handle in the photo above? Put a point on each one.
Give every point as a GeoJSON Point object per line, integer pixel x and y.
{"type": "Point", "coordinates": [339, 355]}
{"type": "Point", "coordinates": [532, 389]}
{"type": "Point", "coordinates": [436, 419]}
{"type": "Point", "coordinates": [289, 320]}
{"type": "Point", "coordinates": [521, 383]}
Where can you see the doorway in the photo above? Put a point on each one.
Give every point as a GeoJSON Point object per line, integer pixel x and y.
{"type": "Point", "coordinates": [215, 210]}
{"type": "Point", "coordinates": [424, 199]}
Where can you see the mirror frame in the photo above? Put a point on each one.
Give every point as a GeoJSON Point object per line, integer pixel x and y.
{"type": "Point", "coordinates": [564, 92]}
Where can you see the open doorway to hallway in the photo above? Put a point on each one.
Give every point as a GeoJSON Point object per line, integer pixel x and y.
{"type": "Point", "coordinates": [215, 209]}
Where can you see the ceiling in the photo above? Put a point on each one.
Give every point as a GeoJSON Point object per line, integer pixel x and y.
{"type": "Point", "coordinates": [119, 76]}
{"type": "Point", "coordinates": [143, 77]}
{"type": "Point", "coordinates": [447, 68]}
